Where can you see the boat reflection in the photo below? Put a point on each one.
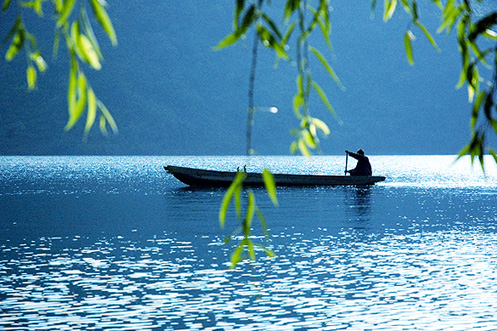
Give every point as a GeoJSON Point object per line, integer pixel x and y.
{"type": "Point", "coordinates": [358, 203]}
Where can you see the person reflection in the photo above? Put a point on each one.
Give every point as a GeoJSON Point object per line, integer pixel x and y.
{"type": "Point", "coordinates": [359, 202]}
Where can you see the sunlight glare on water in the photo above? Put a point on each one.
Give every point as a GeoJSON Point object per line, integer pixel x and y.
{"type": "Point", "coordinates": [102, 243]}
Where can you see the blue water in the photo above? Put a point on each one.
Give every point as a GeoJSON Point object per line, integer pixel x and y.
{"type": "Point", "coordinates": [116, 243]}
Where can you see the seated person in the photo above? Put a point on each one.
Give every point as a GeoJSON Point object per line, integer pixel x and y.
{"type": "Point", "coordinates": [363, 167]}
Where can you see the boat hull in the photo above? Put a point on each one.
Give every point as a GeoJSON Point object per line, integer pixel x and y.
{"type": "Point", "coordinates": [213, 178]}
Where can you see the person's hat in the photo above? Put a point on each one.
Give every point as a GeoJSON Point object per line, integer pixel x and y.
{"type": "Point", "coordinates": [361, 152]}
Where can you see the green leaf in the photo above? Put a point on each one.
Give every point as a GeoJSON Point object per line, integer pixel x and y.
{"type": "Point", "coordinates": [71, 91]}
{"type": "Point", "coordinates": [92, 110]}
{"type": "Point", "coordinates": [249, 215]}
{"type": "Point", "coordinates": [229, 40]}
{"type": "Point", "coordinates": [240, 6]}
{"type": "Point", "coordinates": [250, 246]}
{"type": "Point", "coordinates": [408, 47]}
{"type": "Point", "coordinates": [59, 4]}
{"type": "Point", "coordinates": [38, 59]}
{"type": "Point", "coordinates": [228, 196]}
{"type": "Point", "coordinates": [270, 185]}
{"type": "Point", "coordinates": [476, 108]}
{"type": "Point", "coordinates": [389, 9]}
{"type": "Point", "coordinates": [270, 41]}
{"type": "Point", "coordinates": [273, 26]}
{"type": "Point", "coordinates": [290, 7]}
{"type": "Point", "coordinates": [79, 107]}
{"type": "Point", "coordinates": [56, 42]}
{"type": "Point", "coordinates": [373, 9]}
{"type": "Point", "coordinates": [89, 54]}
{"type": "Point", "coordinates": [238, 201]}
{"type": "Point", "coordinates": [236, 257]}
{"type": "Point", "coordinates": [16, 45]}
{"type": "Point", "coordinates": [104, 20]}
{"type": "Point", "coordinates": [303, 148]}
{"type": "Point", "coordinates": [66, 10]}
{"type": "Point", "coordinates": [321, 125]}
{"type": "Point", "coordinates": [103, 125]}
{"type": "Point", "coordinates": [263, 222]}
{"type": "Point", "coordinates": [490, 34]}
{"type": "Point", "coordinates": [31, 77]}
{"type": "Point", "coordinates": [85, 20]}
{"type": "Point", "coordinates": [428, 35]}
{"type": "Point", "coordinates": [324, 98]}
{"type": "Point", "coordinates": [107, 116]}
{"type": "Point", "coordinates": [482, 25]}
{"type": "Point", "coordinates": [269, 252]}
{"type": "Point", "coordinates": [328, 68]}
{"type": "Point", "coordinates": [6, 4]}
{"type": "Point", "coordinates": [310, 139]}
{"type": "Point", "coordinates": [36, 5]}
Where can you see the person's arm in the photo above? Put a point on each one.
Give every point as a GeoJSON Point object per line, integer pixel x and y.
{"type": "Point", "coordinates": [354, 155]}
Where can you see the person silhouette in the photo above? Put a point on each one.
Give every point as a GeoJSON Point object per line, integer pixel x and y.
{"type": "Point", "coordinates": [363, 167]}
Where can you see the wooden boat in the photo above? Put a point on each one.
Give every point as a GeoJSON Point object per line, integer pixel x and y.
{"type": "Point", "coordinates": [213, 178]}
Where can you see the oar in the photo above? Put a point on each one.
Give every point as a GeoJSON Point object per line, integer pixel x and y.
{"type": "Point", "coordinates": [346, 162]}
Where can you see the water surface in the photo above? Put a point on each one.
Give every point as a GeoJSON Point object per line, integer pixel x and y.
{"type": "Point", "coordinates": [108, 243]}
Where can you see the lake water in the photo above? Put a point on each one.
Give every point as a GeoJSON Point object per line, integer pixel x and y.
{"type": "Point", "coordinates": [116, 243]}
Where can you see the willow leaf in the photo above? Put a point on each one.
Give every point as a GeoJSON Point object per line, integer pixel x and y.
{"type": "Point", "coordinates": [31, 77]}
{"type": "Point", "coordinates": [88, 52]}
{"type": "Point", "coordinates": [269, 252]}
{"type": "Point", "coordinates": [73, 79]}
{"type": "Point", "coordinates": [59, 4]}
{"type": "Point", "coordinates": [476, 108]}
{"type": "Point", "coordinates": [92, 110]}
{"type": "Point", "coordinates": [293, 147]}
{"type": "Point", "coordinates": [390, 7]}
{"type": "Point", "coordinates": [270, 186]}
{"type": "Point", "coordinates": [321, 126]}
{"type": "Point", "coordinates": [228, 196]}
{"type": "Point", "coordinates": [324, 98]}
{"type": "Point", "coordinates": [428, 35]}
{"type": "Point", "coordinates": [104, 20]}
{"type": "Point", "coordinates": [39, 61]}
{"type": "Point", "coordinates": [80, 105]}
{"type": "Point", "coordinates": [103, 125]}
{"type": "Point", "coordinates": [229, 40]}
{"type": "Point", "coordinates": [490, 34]}
{"type": "Point", "coordinates": [408, 47]}
{"type": "Point", "coordinates": [16, 45]}
{"type": "Point", "coordinates": [65, 12]}
{"type": "Point", "coordinates": [108, 117]}
{"type": "Point", "coordinates": [251, 250]}
{"type": "Point", "coordinates": [303, 148]}
{"type": "Point", "coordinates": [482, 25]}
{"type": "Point", "coordinates": [249, 215]}
{"type": "Point", "coordinates": [232, 38]}
{"type": "Point", "coordinates": [327, 66]}
{"type": "Point", "coordinates": [270, 41]}
{"type": "Point", "coordinates": [236, 257]}
{"type": "Point", "coordinates": [6, 4]}
{"type": "Point", "coordinates": [373, 8]}
{"type": "Point", "coordinates": [290, 7]}
{"type": "Point", "coordinates": [240, 6]}
{"type": "Point", "coordinates": [85, 20]}
{"type": "Point", "coordinates": [273, 26]}
{"type": "Point", "coordinates": [238, 201]}
{"type": "Point", "coordinates": [310, 139]}
{"type": "Point", "coordinates": [263, 222]}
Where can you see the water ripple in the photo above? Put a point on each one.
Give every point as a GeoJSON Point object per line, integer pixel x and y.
{"type": "Point", "coordinates": [434, 281]}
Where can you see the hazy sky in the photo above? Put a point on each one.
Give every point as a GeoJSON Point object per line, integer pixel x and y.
{"type": "Point", "coordinates": [171, 94]}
